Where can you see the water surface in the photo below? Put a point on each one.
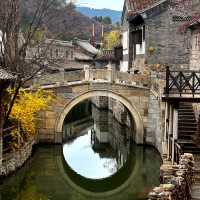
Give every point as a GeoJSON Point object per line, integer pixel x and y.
{"type": "Point", "coordinates": [98, 160]}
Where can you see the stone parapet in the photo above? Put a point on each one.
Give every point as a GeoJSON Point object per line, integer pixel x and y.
{"type": "Point", "coordinates": [176, 180]}
{"type": "Point", "coordinates": [13, 161]}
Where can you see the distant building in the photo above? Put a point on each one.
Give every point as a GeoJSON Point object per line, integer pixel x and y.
{"type": "Point", "coordinates": [66, 54]}
{"type": "Point", "coordinates": [109, 58]}
{"type": "Point", "coordinates": [151, 34]}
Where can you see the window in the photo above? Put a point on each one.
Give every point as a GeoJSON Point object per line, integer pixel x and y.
{"type": "Point", "coordinates": [177, 18]}
{"type": "Point", "coordinates": [66, 54]}
{"type": "Point", "coordinates": [143, 33]}
{"type": "Point", "coordinates": [51, 53]}
{"type": "Point", "coordinates": [56, 52]}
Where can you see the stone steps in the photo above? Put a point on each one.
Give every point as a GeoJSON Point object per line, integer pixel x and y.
{"type": "Point", "coordinates": [186, 120]}
{"type": "Point", "coordinates": [187, 128]}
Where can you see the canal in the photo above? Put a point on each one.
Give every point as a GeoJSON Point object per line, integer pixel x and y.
{"type": "Point", "coordinates": [98, 160]}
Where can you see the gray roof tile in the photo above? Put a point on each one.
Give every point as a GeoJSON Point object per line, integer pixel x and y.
{"type": "Point", "coordinates": [4, 75]}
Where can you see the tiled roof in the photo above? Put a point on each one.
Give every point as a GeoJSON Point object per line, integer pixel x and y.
{"type": "Point", "coordinates": [87, 46]}
{"type": "Point", "coordinates": [137, 6]}
{"type": "Point", "coordinates": [4, 75]}
{"type": "Point", "coordinates": [106, 55]}
{"type": "Point", "coordinates": [59, 43]}
{"type": "Point", "coordinates": [194, 21]}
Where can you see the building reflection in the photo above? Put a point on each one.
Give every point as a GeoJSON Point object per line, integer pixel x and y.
{"type": "Point", "coordinates": [109, 138]}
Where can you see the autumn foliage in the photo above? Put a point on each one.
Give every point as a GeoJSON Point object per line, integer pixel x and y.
{"type": "Point", "coordinates": [112, 39]}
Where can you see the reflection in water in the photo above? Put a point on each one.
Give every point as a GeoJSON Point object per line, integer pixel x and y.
{"type": "Point", "coordinates": [93, 165]}
{"type": "Point", "coordinates": [48, 177]}
{"type": "Point", "coordinates": [97, 141]}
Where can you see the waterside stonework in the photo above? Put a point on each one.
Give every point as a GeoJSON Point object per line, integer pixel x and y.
{"type": "Point", "coordinates": [13, 161]}
{"type": "Point", "coordinates": [176, 180]}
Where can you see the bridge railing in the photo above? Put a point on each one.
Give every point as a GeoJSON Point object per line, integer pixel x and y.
{"type": "Point", "coordinates": [182, 83]}
{"type": "Point", "coordinates": [133, 79]}
{"type": "Point", "coordinates": [92, 75]}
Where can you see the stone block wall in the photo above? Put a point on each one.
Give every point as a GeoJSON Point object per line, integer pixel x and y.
{"type": "Point", "coordinates": [15, 160]}
{"type": "Point", "coordinates": [100, 102]}
{"type": "Point", "coordinates": [169, 44]}
{"type": "Point", "coordinates": [154, 133]}
{"type": "Point", "coordinates": [176, 180]}
{"type": "Point", "coordinates": [155, 126]}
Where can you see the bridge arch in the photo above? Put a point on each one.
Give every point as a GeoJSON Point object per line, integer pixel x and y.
{"type": "Point", "coordinates": [127, 103]}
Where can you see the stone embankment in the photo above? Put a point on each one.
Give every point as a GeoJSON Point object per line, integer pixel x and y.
{"type": "Point", "coordinates": [176, 180]}
{"type": "Point", "coordinates": [196, 185]}
{"type": "Point", "coordinates": [13, 161]}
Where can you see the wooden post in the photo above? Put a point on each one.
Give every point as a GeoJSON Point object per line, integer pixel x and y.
{"type": "Point", "coordinates": [170, 129]}
{"type": "Point", "coordinates": [167, 81]}
{"type": "Point", "coordinates": [175, 132]}
{"type": "Point", "coordinates": [166, 131]}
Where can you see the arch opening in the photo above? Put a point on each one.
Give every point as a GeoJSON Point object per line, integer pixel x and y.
{"type": "Point", "coordinates": [139, 127]}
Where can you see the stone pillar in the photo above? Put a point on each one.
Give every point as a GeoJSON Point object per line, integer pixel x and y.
{"type": "Point", "coordinates": [110, 73]}
{"type": "Point", "coordinates": [62, 71]}
{"type": "Point", "coordinates": [87, 72]}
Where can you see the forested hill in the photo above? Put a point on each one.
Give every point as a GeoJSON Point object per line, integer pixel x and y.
{"type": "Point", "coordinates": [91, 12]}
{"type": "Point", "coordinates": [63, 21]}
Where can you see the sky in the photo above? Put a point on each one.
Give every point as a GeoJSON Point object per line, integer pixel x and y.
{"type": "Point", "coordinates": [111, 4]}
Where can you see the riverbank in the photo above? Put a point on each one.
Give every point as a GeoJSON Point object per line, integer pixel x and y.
{"type": "Point", "coordinates": [15, 160]}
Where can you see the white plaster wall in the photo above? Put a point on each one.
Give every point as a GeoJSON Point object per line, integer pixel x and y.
{"type": "Point", "coordinates": [124, 66]}
{"type": "Point", "coordinates": [125, 40]}
{"type": "Point", "coordinates": [124, 63]}
{"type": "Point", "coordinates": [140, 49]}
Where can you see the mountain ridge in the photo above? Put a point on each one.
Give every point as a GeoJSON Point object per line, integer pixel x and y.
{"type": "Point", "coordinates": [104, 12]}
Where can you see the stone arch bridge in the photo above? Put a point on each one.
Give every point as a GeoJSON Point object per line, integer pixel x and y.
{"type": "Point", "coordinates": [70, 88]}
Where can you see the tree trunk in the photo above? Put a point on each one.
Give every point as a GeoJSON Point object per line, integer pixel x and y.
{"type": "Point", "coordinates": [12, 103]}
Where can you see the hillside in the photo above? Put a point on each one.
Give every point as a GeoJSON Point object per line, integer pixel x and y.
{"type": "Point", "coordinates": [63, 22]}
{"type": "Point", "coordinates": [91, 12]}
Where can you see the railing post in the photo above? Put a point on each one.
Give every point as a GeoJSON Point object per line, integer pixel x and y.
{"type": "Point", "coordinates": [193, 84]}
{"type": "Point", "coordinates": [87, 72]}
{"type": "Point", "coordinates": [62, 71]}
{"type": "Point", "coordinates": [110, 73]}
{"type": "Point", "coordinates": [167, 80]}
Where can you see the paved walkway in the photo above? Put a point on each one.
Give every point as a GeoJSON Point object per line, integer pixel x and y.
{"type": "Point", "coordinates": [196, 186]}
